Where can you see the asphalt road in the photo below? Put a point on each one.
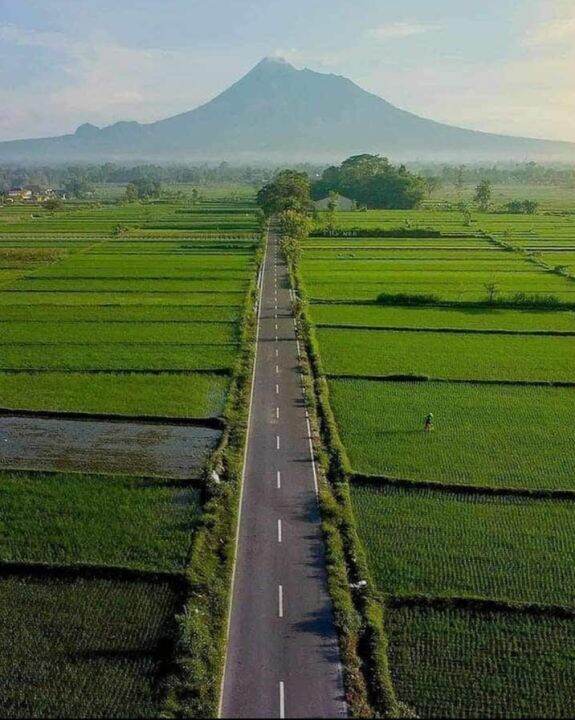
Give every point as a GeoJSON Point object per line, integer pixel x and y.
{"type": "Point", "coordinates": [283, 656]}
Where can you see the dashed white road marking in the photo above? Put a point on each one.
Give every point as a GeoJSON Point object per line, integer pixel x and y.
{"type": "Point", "coordinates": [312, 456]}
{"type": "Point", "coordinates": [277, 442]}
{"type": "Point", "coordinates": [277, 352]}
{"type": "Point", "coordinates": [278, 413]}
{"type": "Point", "coordinates": [280, 601]}
{"type": "Point", "coordinates": [282, 700]}
{"type": "Point", "coordinates": [277, 370]}
{"type": "Point", "coordinates": [279, 530]}
{"type": "Point", "coordinates": [277, 389]}
{"type": "Point", "coordinates": [279, 479]}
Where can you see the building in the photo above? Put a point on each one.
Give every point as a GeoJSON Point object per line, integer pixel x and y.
{"type": "Point", "coordinates": [30, 194]}
{"type": "Point", "coordinates": [341, 203]}
{"type": "Point", "coordinates": [19, 194]}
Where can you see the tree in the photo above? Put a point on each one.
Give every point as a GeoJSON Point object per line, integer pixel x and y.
{"type": "Point", "coordinates": [294, 224]}
{"type": "Point", "coordinates": [492, 290]}
{"type": "Point", "coordinates": [131, 194]}
{"type": "Point", "coordinates": [78, 187]}
{"type": "Point", "coordinates": [147, 187]}
{"type": "Point", "coordinates": [372, 181]}
{"type": "Point", "coordinates": [289, 190]}
{"type": "Point", "coordinates": [460, 178]}
{"type": "Point", "coordinates": [120, 230]}
{"type": "Point", "coordinates": [53, 204]}
{"type": "Point", "coordinates": [331, 209]}
{"type": "Point", "coordinates": [432, 183]}
{"type": "Point", "coordinates": [482, 195]}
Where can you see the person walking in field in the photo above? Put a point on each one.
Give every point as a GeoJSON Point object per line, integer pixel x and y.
{"type": "Point", "coordinates": [428, 424]}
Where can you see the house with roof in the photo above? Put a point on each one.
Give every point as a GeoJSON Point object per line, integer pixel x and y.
{"type": "Point", "coordinates": [341, 203]}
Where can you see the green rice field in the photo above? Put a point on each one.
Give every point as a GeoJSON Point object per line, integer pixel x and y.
{"type": "Point", "coordinates": [455, 356]}
{"type": "Point", "coordinates": [526, 432]}
{"type": "Point", "coordinates": [455, 663]}
{"type": "Point", "coordinates": [479, 319]}
{"type": "Point", "coordinates": [467, 529]}
{"type": "Point", "coordinates": [70, 518]}
{"type": "Point", "coordinates": [145, 324]}
{"type": "Point", "coordinates": [83, 646]}
{"type": "Point", "coordinates": [462, 545]}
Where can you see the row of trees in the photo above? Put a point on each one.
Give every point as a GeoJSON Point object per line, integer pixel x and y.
{"type": "Point", "coordinates": [82, 178]}
{"type": "Point", "coordinates": [527, 173]}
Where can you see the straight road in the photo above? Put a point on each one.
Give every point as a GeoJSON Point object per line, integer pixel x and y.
{"type": "Point", "coordinates": [283, 656]}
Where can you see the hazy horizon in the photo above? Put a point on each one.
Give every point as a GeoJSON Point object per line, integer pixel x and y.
{"type": "Point", "coordinates": [489, 66]}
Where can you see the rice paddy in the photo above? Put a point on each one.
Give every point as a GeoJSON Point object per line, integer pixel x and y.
{"type": "Point", "coordinates": [467, 528]}
{"type": "Point", "coordinates": [458, 663]}
{"type": "Point", "coordinates": [148, 326]}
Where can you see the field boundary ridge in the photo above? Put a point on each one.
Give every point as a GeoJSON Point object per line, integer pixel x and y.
{"type": "Point", "coordinates": [481, 604]}
{"type": "Point", "coordinates": [457, 331]}
{"type": "Point", "coordinates": [453, 381]}
{"type": "Point", "coordinates": [460, 489]}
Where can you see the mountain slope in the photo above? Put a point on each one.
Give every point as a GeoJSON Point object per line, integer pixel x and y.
{"type": "Point", "coordinates": [276, 112]}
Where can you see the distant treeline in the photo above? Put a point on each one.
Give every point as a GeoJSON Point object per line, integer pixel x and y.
{"type": "Point", "coordinates": [435, 175]}
{"type": "Point", "coordinates": [201, 175]}
{"type": "Point", "coordinates": [528, 173]}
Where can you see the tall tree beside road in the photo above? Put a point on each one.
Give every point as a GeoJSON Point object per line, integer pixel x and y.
{"type": "Point", "coordinates": [289, 190]}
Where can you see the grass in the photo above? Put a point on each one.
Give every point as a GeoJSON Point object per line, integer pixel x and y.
{"type": "Point", "coordinates": [484, 435]}
{"type": "Point", "coordinates": [117, 332]}
{"type": "Point", "coordinates": [65, 518]}
{"type": "Point", "coordinates": [169, 295]}
{"type": "Point", "coordinates": [460, 356]}
{"type": "Point", "coordinates": [440, 544]}
{"type": "Point", "coordinates": [453, 663]}
{"type": "Point", "coordinates": [121, 313]}
{"type": "Point", "coordinates": [445, 317]}
{"type": "Point", "coordinates": [163, 266]}
{"type": "Point", "coordinates": [192, 395]}
{"type": "Point", "coordinates": [108, 357]}
{"type": "Point", "coordinates": [81, 647]}
{"type": "Point", "coordinates": [432, 539]}
{"type": "Point", "coordinates": [84, 299]}
{"type": "Point", "coordinates": [454, 286]}
{"type": "Point", "coordinates": [129, 285]}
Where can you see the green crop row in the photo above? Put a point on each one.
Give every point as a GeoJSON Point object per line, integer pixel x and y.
{"type": "Point", "coordinates": [438, 544]}
{"type": "Point", "coordinates": [455, 663]}
{"type": "Point", "coordinates": [90, 333]}
{"type": "Point", "coordinates": [67, 519]}
{"type": "Point", "coordinates": [478, 318]}
{"type": "Point", "coordinates": [487, 435]}
{"type": "Point", "coordinates": [461, 356]}
{"type": "Point", "coordinates": [82, 646]}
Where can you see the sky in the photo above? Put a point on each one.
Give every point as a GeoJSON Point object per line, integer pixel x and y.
{"type": "Point", "coordinates": [499, 66]}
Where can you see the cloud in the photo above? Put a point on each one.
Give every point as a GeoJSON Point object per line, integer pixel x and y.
{"type": "Point", "coordinates": [99, 80]}
{"type": "Point", "coordinates": [552, 33]}
{"type": "Point", "coordinates": [396, 30]}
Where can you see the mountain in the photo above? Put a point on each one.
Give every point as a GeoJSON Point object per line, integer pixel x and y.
{"type": "Point", "coordinates": [278, 113]}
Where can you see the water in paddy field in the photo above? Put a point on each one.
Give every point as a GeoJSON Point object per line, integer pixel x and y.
{"type": "Point", "coordinates": [104, 446]}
